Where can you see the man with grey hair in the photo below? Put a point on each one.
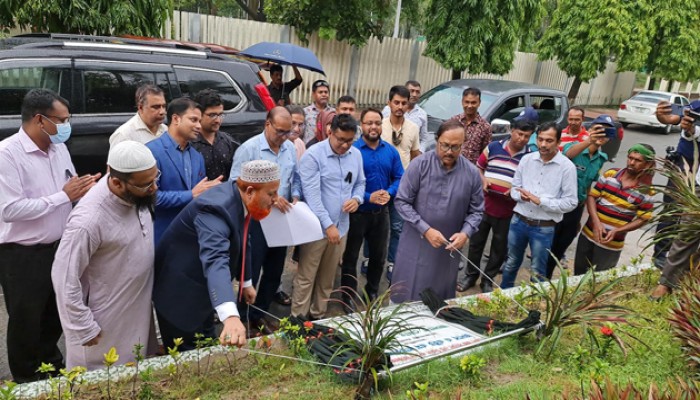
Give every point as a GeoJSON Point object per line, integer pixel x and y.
{"type": "Point", "coordinates": [147, 124]}
{"type": "Point", "coordinates": [106, 256]}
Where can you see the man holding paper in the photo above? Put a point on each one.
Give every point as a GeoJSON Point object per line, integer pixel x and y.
{"type": "Point", "coordinates": [271, 145]}
{"type": "Point", "coordinates": [383, 171]}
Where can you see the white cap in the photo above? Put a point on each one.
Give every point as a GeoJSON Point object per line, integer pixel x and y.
{"type": "Point", "coordinates": [260, 171]}
{"type": "Point", "coordinates": [130, 156]}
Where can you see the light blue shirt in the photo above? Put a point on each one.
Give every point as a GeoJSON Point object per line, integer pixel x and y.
{"type": "Point", "coordinates": [554, 182]}
{"type": "Point", "coordinates": [257, 148]}
{"type": "Point", "coordinates": [328, 180]}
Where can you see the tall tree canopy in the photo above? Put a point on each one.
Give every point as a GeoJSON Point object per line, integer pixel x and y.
{"type": "Point", "coordinates": [675, 41]}
{"type": "Point", "coordinates": [585, 34]}
{"type": "Point", "coordinates": [353, 21]}
{"type": "Point", "coordinates": [101, 17]}
{"type": "Point", "coordinates": [479, 36]}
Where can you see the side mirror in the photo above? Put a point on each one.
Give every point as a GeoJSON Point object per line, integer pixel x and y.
{"type": "Point", "coordinates": [500, 126]}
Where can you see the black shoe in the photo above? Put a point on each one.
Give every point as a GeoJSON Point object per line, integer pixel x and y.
{"type": "Point", "coordinates": [468, 284]}
{"type": "Point", "coordinates": [282, 298]}
{"type": "Point", "coordinates": [486, 287]}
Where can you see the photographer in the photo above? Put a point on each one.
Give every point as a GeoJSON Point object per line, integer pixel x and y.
{"type": "Point", "coordinates": [683, 154]}
{"type": "Point", "coordinates": [677, 261]}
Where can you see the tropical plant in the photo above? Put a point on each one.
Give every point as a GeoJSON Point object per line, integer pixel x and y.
{"type": "Point", "coordinates": [174, 353]}
{"type": "Point", "coordinates": [373, 334]}
{"type": "Point", "coordinates": [676, 390]}
{"type": "Point", "coordinates": [685, 316]}
{"type": "Point", "coordinates": [588, 304]}
{"type": "Point", "coordinates": [110, 358]}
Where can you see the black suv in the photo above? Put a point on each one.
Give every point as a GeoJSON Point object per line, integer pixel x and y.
{"type": "Point", "coordinates": [99, 77]}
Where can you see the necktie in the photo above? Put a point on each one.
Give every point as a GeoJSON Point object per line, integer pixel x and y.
{"type": "Point", "coordinates": [245, 246]}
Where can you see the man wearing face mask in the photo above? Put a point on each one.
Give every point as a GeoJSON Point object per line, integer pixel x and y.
{"type": "Point", "coordinates": [109, 239]}
{"type": "Point", "coordinates": [37, 186]}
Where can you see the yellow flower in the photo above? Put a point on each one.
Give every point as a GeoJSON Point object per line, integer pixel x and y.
{"type": "Point", "coordinates": [111, 357]}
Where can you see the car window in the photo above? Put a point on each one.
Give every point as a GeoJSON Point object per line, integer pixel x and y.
{"type": "Point", "coordinates": [16, 82]}
{"type": "Point", "coordinates": [684, 101]}
{"type": "Point", "coordinates": [677, 100]}
{"type": "Point", "coordinates": [548, 107]}
{"type": "Point", "coordinates": [510, 108]}
{"type": "Point", "coordinates": [192, 81]}
{"type": "Point", "coordinates": [113, 91]}
{"type": "Point", "coordinates": [444, 102]}
{"type": "Point", "coordinates": [650, 97]}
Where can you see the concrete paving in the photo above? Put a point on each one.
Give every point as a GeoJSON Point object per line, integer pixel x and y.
{"type": "Point", "coordinates": [635, 243]}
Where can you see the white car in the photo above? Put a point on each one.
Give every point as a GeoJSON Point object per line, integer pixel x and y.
{"type": "Point", "coordinates": [641, 108]}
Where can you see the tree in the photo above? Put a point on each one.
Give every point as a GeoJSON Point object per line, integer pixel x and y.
{"type": "Point", "coordinates": [675, 40]}
{"type": "Point", "coordinates": [101, 17]}
{"type": "Point", "coordinates": [479, 36]}
{"type": "Point", "coordinates": [353, 21]}
{"type": "Point", "coordinates": [585, 34]}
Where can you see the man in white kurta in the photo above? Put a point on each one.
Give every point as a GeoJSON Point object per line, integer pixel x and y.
{"type": "Point", "coordinates": [103, 270]}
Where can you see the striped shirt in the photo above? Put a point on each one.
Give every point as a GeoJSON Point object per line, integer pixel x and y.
{"type": "Point", "coordinates": [499, 167]}
{"type": "Point", "coordinates": [617, 206]}
{"type": "Point", "coordinates": [567, 138]}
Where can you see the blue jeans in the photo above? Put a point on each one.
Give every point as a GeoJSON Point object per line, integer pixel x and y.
{"type": "Point", "coordinates": [396, 225]}
{"type": "Point", "coordinates": [519, 236]}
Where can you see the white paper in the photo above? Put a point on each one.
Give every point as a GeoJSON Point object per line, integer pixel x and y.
{"type": "Point", "coordinates": [298, 226]}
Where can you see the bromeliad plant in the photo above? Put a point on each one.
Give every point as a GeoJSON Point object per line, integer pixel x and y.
{"type": "Point", "coordinates": [589, 304]}
{"type": "Point", "coordinates": [685, 316]}
{"type": "Point", "coordinates": [373, 335]}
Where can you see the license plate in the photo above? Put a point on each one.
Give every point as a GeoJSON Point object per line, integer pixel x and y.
{"type": "Point", "coordinates": [641, 110]}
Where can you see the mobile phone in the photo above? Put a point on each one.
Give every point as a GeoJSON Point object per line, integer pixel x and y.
{"type": "Point", "coordinates": [695, 115]}
{"type": "Point", "coordinates": [677, 109]}
{"type": "Point", "coordinates": [611, 132]}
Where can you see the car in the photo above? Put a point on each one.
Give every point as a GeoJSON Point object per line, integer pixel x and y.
{"type": "Point", "coordinates": [99, 77]}
{"type": "Point", "coordinates": [501, 102]}
{"type": "Point", "coordinates": [640, 109]}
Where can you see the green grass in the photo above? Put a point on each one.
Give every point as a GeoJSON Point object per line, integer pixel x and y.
{"type": "Point", "coordinates": [512, 370]}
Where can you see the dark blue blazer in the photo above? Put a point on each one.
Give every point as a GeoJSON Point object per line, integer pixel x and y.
{"type": "Point", "coordinates": [198, 257]}
{"type": "Point", "coordinates": [173, 191]}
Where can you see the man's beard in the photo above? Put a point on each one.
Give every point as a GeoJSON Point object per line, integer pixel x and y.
{"type": "Point", "coordinates": [257, 211]}
{"type": "Point", "coordinates": [148, 202]}
{"type": "Point", "coordinates": [370, 138]}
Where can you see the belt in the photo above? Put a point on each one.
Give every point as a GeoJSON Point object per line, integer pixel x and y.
{"type": "Point", "coordinates": [536, 222]}
{"type": "Point", "coordinates": [39, 246]}
{"type": "Point", "coordinates": [375, 212]}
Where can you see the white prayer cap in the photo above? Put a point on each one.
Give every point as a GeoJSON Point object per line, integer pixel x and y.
{"type": "Point", "coordinates": [260, 171]}
{"type": "Point", "coordinates": [130, 156]}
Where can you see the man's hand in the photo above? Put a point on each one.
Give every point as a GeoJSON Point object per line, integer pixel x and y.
{"type": "Point", "coordinates": [380, 197]}
{"type": "Point", "coordinates": [457, 241]}
{"type": "Point", "coordinates": [663, 114]}
{"type": "Point", "coordinates": [249, 294]}
{"type": "Point", "coordinates": [205, 184]}
{"type": "Point", "coordinates": [283, 205]}
{"type": "Point", "coordinates": [527, 196]}
{"type": "Point", "coordinates": [350, 206]}
{"type": "Point", "coordinates": [597, 135]}
{"type": "Point", "coordinates": [76, 187]}
{"type": "Point", "coordinates": [233, 333]}
{"type": "Point", "coordinates": [687, 123]}
{"type": "Point", "coordinates": [435, 238]}
{"type": "Point", "coordinates": [607, 236]}
{"type": "Point", "coordinates": [486, 184]}
{"type": "Point", "coordinates": [598, 231]}
{"type": "Point", "coordinates": [333, 235]}
{"type": "Point", "coordinates": [94, 341]}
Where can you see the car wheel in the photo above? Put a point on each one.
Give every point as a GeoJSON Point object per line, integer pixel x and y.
{"type": "Point", "coordinates": [667, 129]}
{"type": "Point", "coordinates": [624, 124]}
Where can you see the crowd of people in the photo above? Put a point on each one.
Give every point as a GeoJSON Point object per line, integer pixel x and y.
{"type": "Point", "coordinates": [174, 223]}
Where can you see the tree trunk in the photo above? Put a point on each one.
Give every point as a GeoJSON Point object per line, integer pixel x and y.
{"type": "Point", "coordinates": [573, 92]}
{"type": "Point", "coordinates": [456, 74]}
{"type": "Point", "coordinates": [652, 83]}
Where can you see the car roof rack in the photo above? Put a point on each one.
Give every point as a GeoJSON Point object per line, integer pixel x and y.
{"type": "Point", "coordinates": [70, 37]}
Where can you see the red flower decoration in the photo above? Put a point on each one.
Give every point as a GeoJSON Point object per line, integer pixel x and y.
{"type": "Point", "coordinates": [308, 324]}
{"type": "Point", "coordinates": [606, 331]}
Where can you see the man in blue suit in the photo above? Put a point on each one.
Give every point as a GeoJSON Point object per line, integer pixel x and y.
{"type": "Point", "coordinates": [183, 176]}
{"type": "Point", "coordinates": [201, 252]}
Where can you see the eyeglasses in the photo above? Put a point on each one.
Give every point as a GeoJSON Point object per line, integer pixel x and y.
{"type": "Point", "coordinates": [447, 147]}
{"type": "Point", "coordinates": [215, 115]}
{"type": "Point", "coordinates": [319, 83]}
{"type": "Point", "coordinates": [280, 132]}
{"type": "Point", "coordinates": [344, 141]}
{"type": "Point", "coordinates": [146, 188]}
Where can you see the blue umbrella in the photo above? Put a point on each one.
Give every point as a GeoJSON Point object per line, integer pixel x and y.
{"type": "Point", "coordinates": [285, 53]}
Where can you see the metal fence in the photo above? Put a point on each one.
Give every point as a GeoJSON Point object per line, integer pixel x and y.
{"type": "Point", "coordinates": [367, 73]}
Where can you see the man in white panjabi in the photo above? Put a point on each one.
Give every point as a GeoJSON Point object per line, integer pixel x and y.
{"type": "Point", "coordinates": [103, 270]}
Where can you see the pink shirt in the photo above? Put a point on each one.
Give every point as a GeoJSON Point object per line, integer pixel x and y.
{"type": "Point", "coordinates": [33, 206]}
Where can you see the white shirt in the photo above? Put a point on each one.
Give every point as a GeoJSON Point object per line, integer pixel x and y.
{"type": "Point", "coordinates": [135, 129]}
{"type": "Point", "coordinates": [419, 117]}
{"type": "Point", "coordinates": [554, 182]}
